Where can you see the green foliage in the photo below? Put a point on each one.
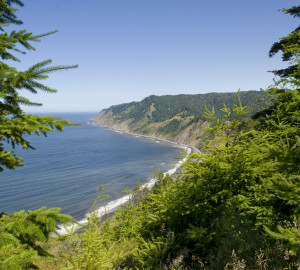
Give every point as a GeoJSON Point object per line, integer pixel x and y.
{"type": "Point", "coordinates": [93, 251]}
{"type": "Point", "coordinates": [177, 118]}
{"type": "Point", "coordinates": [242, 188]}
{"type": "Point", "coordinates": [172, 126]}
{"type": "Point", "coordinates": [16, 257]}
{"type": "Point", "coordinates": [289, 47]}
{"type": "Point", "coordinates": [21, 234]}
{"type": "Point", "coordinates": [228, 128]}
{"type": "Point", "coordinates": [231, 207]}
{"type": "Point", "coordinates": [167, 107]}
{"type": "Point", "coordinates": [14, 122]}
{"type": "Point", "coordinates": [102, 246]}
{"type": "Point", "coordinates": [154, 253]}
{"type": "Point", "coordinates": [235, 207]}
{"type": "Point", "coordinates": [290, 235]}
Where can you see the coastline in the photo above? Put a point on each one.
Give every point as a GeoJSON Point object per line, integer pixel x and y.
{"type": "Point", "coordinates": [188, 149]}
{"type": "Point", "coordinates": [191, 147]}
{"type": "Point", "coordinates": [111, 206]}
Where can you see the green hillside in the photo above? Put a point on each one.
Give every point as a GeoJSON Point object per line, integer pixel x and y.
{"type": "Point", "coordinates": [178, 118]}
{"type": "Point", "coordinates": [234, 207]}
{"type": "Point", "coordinates": [161, 108]}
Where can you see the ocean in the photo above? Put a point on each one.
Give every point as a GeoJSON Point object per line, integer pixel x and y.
{"type": "Point", "coordinates": [66, 168]}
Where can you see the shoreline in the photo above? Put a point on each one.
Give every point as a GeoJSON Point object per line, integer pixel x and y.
{"type": "Point", "coordinates": [188, 149]}
{"type": "Point", "coordinates": [192, 148]}
{"type": "Point", "coordinates": [112, 206]}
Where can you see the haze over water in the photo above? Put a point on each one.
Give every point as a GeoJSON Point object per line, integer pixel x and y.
{"type": "Point", "coordinates": [67, 167]}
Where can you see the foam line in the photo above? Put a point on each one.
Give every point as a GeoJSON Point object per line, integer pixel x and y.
{"type": "Point", "coordinates": [116, 203]}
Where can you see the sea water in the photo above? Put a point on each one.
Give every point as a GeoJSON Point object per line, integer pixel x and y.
{"type": "Point", "coordinates": [66, 168]}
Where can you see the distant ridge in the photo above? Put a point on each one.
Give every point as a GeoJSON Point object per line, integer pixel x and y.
{"type": "Point", "coordinates": [177, 118]}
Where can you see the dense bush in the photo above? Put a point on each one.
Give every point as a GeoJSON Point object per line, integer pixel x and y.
{"type": "Point", "coordinates": [235, 207]}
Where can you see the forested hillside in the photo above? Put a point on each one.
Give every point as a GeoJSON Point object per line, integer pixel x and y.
{"type": "Point", "coordinates": [234, 207]}
{"type": "Point", "coordinates": [178, 118]}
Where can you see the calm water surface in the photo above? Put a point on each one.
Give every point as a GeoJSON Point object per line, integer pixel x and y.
{"type": "Point", "coordinates": [67, 167]}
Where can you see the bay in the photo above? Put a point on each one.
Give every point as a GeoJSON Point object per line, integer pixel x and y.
{"type": "Point", "coordinates": [67, 167]}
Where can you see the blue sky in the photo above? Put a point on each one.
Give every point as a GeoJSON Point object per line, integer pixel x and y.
{"type": "Point", "coordinates": [129, 49]}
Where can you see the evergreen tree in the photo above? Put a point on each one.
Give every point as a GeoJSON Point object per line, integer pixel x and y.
{"type": "Point", "coordinates": [21, 233]}
{"type": "Point", "coordinates": [289, 47]}
{"type": "Point", "coordinates": [14, 122]}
